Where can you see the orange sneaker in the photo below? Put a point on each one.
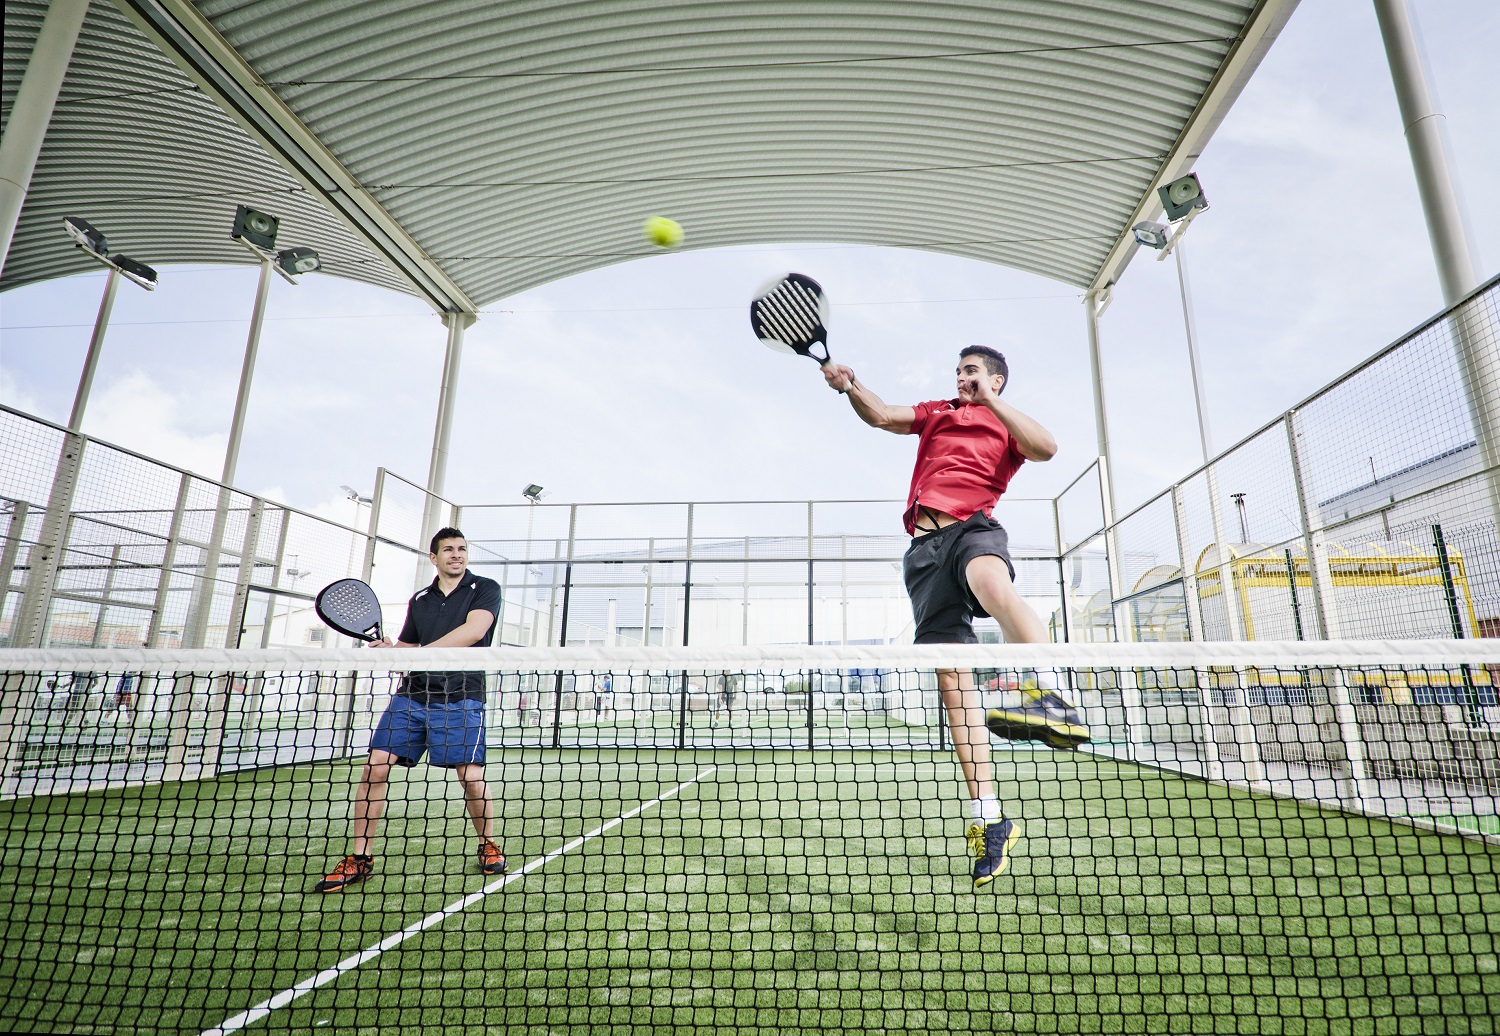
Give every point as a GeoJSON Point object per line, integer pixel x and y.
{"type": "Point", "coordinates": [351, 871]}
{"type": "Point", "coordinates": [491, 859]}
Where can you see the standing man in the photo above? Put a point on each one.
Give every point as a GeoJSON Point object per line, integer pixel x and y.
{"type": "Point", "coordinates": [958, 566]}
{"type": "Point", "coordinates": [438, 712]}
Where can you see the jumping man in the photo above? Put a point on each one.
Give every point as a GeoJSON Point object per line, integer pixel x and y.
{"type": "Point", "coordinates": [440, 712]}
{"type": "Point", "coordinates": [958, 566]}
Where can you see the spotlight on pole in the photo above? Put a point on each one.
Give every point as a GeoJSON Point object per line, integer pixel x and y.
{"type": "Point", "coordinates": [1152, 235]}
{"type": "Point", "coordinates": [298, 260]}
{"type": "Point", "coordinates": [256, 227]}
{"type": "Point", "coordinates": [534, 493]}
{"type": "Point", "coordinates": [85, 236]}
{"type": "Point", "coordinates": [131, 270]}
{"type": "Point", "coordinates": [1182, 196]}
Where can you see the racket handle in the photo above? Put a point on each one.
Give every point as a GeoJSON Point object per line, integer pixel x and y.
{"type": "Point", "coordinates": [824, 363]}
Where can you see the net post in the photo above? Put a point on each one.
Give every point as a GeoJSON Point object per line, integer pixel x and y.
{"type": "Point", "coordinates": [1213, 766]}
{"type": "Point", "coordinates": [215, 719]}
{"type": "Point", "coordinates": [168, 562]}
{"type": "Point", "coordinates": [1242, 722]}
{"type": "Point", "coordinates": [810, 706]}
{"type": "Point", "coordinates": [179, 719]}
{"type": "Point", "coordinates": [1355, 788]}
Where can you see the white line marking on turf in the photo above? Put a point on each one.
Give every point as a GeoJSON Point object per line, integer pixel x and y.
{"type": "Point", "coordinates": [327, 975]}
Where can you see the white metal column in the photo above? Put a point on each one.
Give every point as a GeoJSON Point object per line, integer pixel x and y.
{"type": "Point", "coordinates": [1425, 137]}
{"type": "Point", "coordinates": [437, 471]}
{"type": "Point", "coordinates": [31, 112]}
{"type": "Point", "coordinates": [96, 346]}
{"type": "Point", "coordinates": [1101, 424]}
{"type": "Point", "coordinates": [200, 608]}
{"type": "Point", "coordinates": [1205, 440]}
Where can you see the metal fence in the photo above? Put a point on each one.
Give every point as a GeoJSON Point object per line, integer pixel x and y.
{"type": "Point", "coordinates": [1366, 511]}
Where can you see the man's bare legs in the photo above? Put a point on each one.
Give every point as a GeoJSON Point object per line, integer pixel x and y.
{"type": "Point", "coordinates": [369, 799]}
{"type": "Point", "coordinates": [989, 580]}
{"type": "Point", "coordinates": [477, 799]}
{"type": "Point", "coordinates": [971, 741]}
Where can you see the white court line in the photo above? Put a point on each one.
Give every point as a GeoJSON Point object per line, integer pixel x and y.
{"type": "Point", "coordinates": [364, 956]}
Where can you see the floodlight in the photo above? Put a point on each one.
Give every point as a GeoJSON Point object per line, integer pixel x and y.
{"type": "Point", "coordinates": [533, 492]}
{"type": "Point", "coordinates": [140, 273]}
{"type": "Point", "coordinates": [1152, 235]}
{"type": "Point", "coordinates": [299, 260]}
{"type": "Point", "coordinates": [1182, 196]}
{"type": "Point", "coordinates": [258, 228]}
{"type": "Point", "coordinates": [86, 236]}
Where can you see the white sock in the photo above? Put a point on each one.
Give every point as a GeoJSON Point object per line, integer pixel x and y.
{"type": "Point", "coordinates": [1046, 679]}
{"type": "Point", "coordinates": [985, 810]}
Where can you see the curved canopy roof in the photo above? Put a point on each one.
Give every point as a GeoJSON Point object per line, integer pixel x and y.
{"type": "Point", "coordinates": [464, 150]}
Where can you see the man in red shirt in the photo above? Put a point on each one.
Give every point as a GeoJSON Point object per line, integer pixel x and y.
{"type": "Point", "coordinates": [958, 566]}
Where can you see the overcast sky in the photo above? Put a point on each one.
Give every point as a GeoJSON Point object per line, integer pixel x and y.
{"type": "Point", "coordinates": [643, 382]}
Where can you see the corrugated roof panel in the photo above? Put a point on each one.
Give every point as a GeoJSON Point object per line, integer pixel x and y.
{"type": "Point", "coordinates": [521, 142]}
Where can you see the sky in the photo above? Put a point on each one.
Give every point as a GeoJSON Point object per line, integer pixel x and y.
{"type": "Point", "coordinates": [642, 381]}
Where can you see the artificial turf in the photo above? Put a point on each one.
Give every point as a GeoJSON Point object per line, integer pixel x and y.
{"type": "Point", "coordinates": [783, 892]}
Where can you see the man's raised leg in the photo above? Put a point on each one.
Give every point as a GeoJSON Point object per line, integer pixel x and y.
{"type": "Point", "coordinates": [1047, 716]}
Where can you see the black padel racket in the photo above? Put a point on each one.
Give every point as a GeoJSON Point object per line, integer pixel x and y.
{"type": "Point", "coordinates": [790, 314]}
{"type": "Point", "coordinates": [350, 607]}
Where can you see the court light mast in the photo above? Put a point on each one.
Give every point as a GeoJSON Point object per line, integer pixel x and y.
{"type": "Point", "coordinates": [1183, 201]}
{"type": "Point", "coordinates": [31, 621]}
{"type": "Point", "coordinates": [256, 232]}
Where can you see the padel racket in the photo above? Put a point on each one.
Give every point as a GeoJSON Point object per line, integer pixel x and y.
{"type": "Point", "coordinates": [350, 607]}
{"type": "Point", "coordinates": [790, 314]}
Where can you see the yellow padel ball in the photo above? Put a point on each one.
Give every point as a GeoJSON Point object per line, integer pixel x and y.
{"type": "Point", "coordinates": [662, 232]}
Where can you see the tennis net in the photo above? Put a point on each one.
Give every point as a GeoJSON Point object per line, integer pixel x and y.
{"type": "Point", "coordinates": [1274, 837]}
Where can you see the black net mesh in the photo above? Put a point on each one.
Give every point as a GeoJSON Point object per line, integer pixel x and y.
{"type": "Point", "coordinates": [1181, 841]}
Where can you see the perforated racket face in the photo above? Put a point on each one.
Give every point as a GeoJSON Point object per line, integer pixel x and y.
{"type": "Point", "coordinates": [790, 314]}
{"type": "Point", "coordinates": [350, 607]}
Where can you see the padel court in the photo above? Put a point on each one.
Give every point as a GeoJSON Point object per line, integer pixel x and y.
{"type": "Point", "coordinates": [801, 892]}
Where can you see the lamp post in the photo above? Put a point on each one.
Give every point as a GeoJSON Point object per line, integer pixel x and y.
{"type": "Point", "coordinates": [533, 494]}
{"type": "Point", "coordinates": [46, 555]}
{"type": "Point", "coordinates": [1183, 201]}
{"type": "Point", "coordinates": [256, 231]}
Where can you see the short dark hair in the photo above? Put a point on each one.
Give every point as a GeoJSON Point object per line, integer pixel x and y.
{"type": "Point", "coordinates": [447, 532]}
{"type": "Point", "coordinates": [994, 361]}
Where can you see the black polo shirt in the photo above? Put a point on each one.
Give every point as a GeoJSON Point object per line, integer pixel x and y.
{"type": "Point", "coordinates": [429, 615]}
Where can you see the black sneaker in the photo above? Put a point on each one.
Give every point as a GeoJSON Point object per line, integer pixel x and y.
{"type": "Point", "coordinates": [991, 845]}
{"type": "Point", "coordinates": [1046, 718]}
{"type": "Point", "coordinates": [351, 871]}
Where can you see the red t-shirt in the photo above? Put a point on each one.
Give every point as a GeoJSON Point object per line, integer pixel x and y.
{"type": "Point", "coordinates": [964, 461]}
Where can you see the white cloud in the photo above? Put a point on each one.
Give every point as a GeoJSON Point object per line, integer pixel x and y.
{"type": "Point", "coordinates": [138, 413]}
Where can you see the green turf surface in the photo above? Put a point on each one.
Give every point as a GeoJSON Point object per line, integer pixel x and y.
{"type": "Point", "coordinates": [786, 892]}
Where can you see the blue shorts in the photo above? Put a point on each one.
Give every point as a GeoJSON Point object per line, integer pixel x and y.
{"type": "Point", "coordinates": [452, 731]}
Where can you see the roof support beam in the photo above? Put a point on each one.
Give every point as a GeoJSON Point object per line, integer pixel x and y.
{"type": "Point", "coordinates": [31, 112]}
{"type": "Point", "coordinates": [1239, 65]}
{"type": "Point", "coordinates": [187, 37]}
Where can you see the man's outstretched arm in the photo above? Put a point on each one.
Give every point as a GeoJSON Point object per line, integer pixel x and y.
{"type": "Point", "coordinates": [872, 410]}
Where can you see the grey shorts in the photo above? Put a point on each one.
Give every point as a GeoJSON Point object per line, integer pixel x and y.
{"type": "Point", "coordinates": [934, 568]}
